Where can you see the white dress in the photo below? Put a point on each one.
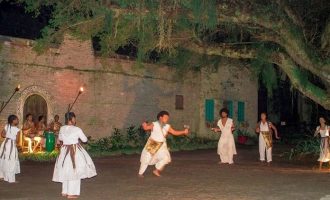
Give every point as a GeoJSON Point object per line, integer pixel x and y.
{"type": "Point", "coordinates": [73, 162]}
{"type": "Point", "coordinates": [162, 156]}
{"type": "Point", "coordinates": [324, 145]}
{"type": "Point", "coordinates": [226, 145]}
{"type": "Point", "coordinates": [9, 163]}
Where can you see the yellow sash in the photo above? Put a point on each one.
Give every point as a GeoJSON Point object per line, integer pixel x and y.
{"type": "Point", "coordinates": [268, 138]}
{"type": "Point", "coordinates": [152, 146]}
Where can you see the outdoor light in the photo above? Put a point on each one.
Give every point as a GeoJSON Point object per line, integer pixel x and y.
{"type": "Point", "coordinates": [81, 90]}
{"type": "Point", "coordinates": [4, 104]}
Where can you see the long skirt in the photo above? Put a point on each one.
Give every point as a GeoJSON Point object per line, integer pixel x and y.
{"type": "Point", "coordinates": [227, 148]}
{"type": "Point", "coordinates": [9, 163]}
{"type": "Point", "coordinates": [324, 150]}
{"type": "Point", "coordinates": [73, 163]}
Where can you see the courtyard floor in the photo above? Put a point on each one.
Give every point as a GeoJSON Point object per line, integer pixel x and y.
{"type": "Point", "coordinates": [192, 175]}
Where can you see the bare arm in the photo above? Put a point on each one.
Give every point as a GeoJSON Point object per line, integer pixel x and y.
{"type": "Point", "coordinates": [317, 131]}
{"type": "Point", "coordinates": [3, 133]}
{"type": "Point", "coordinates": [258, 128]}
{"type": "Point", "coordinates": [147, 127]}
{"type": "Point", "coordinates": [232, 127]}
{"type": "Point", "coordinates": [216, 129]}
{"type": "Point", "coordinates": [177, 133]}
{"type": "Point", "coordinates": [275, 130]}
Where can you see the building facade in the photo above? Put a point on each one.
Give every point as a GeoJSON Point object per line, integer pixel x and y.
{"type": "Point", "coordinates": [119, 93]}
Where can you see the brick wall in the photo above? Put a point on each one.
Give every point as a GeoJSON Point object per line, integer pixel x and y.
{"type": "Point", "coordinates": [117, 92]}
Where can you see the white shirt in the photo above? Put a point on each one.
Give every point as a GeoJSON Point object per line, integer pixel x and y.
{"type": "Point", "coordinates": [324, 132]}
{"type": "Point", "coordinates": [158, 134]}
{"type": "Point", "coordinates": [11, 132]}
{"type": "Point", "coordinates": [70, 134]}
{"type": "Point", "coordinates": [264, 127]}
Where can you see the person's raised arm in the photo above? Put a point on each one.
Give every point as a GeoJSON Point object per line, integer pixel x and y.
{"type": "Point", "coordinates": [177, 133]}
{"type": "Point", "coordinates": [275, 130]}
{"type": "Point", "coordinates": [147, 127]}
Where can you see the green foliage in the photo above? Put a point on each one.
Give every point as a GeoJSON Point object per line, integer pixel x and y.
{"type": "Point", "coordinates": [264, 70]}
{"type": "Point", "coordinates": [39, 157]}
{"type": "Point", "coordinates": [305, 146]}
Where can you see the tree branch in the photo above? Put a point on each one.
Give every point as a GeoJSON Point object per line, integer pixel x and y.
{"type": "Point", "coordinates": [281, 59]}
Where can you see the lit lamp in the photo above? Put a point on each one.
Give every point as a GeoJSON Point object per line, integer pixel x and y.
{"type": "Point", "coordinates": [4, 104]}
{"type": "Point", "coordinates": [81, 90]}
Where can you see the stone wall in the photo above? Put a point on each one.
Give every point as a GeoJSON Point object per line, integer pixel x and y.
{"type": "Point", "coordinates": [118, 93]}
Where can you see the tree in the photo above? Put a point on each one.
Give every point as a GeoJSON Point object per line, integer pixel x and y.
{"type": "Point", "coordinates": [293, 35]}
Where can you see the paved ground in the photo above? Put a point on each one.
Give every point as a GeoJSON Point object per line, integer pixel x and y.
{"type": "Point", "coordinates": [192, 175]}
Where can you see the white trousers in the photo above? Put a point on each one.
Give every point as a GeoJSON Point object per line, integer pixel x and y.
{"type": "Point", "coordinates": [263, 150]}
{"type": "Point", "coordinates": [8, 176]}
{"type": "Point", "coordinates": [159, 165]}
{"type": "Point", "coordinates": [71, 187]}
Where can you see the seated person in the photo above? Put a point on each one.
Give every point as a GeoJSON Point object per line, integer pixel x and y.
{"type": "Point", "coordinates": [40, 129]}
{"type": "Point", "coordinates": [55, 126]}
{"type": "Point", "coordinates": [29, 131]}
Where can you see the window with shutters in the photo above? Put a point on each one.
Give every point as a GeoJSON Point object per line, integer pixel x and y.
{"type": "Point", "coordinates": [209, 110]}
{"type": "Point", "coordinates": [240, 111]}
{"type": "Point", "coordinates": [179, 102]}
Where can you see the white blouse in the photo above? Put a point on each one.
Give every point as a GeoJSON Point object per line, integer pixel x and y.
{"type": "Point", "coordinates": [11, 132]}
{"type": "Point", "coordinates": [325, 132]}
{"type": "Point", "coordinates": [159, 133]}
{"type": "Point", "coordinates": [70, 134]}
{"type": "Point", "coordinates": [264, 127]}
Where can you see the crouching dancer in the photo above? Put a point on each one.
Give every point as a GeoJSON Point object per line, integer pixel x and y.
{"type": "Point", "coordinates": [73, 162]}
{"type": "Point", "coordinates": [155, 151]}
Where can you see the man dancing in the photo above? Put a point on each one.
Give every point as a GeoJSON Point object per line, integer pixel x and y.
{"type": "Point", "coordinates": [155, 151]}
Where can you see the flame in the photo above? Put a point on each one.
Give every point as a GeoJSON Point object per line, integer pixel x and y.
{"type": "Point", "coordinates": [81, 89]}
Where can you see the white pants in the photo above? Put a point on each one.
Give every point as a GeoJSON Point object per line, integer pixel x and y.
{"type": "Point", "coordinates": [71, 187]}
{"type": "Point", "coordinates": [8, 176]}
{"type": "Point", "coordinates": [263, 149]}
{"type": "Point", "coordinates": [159, 166]}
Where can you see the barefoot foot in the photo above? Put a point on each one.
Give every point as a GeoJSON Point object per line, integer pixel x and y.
{"type": "Point", "coordinates": [72, 196]}
{"type": "Point", "coordinates": [156, 173]}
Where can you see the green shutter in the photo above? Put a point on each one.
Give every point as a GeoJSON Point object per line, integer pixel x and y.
{"type": "Point", "coordinates": [241, 111]}
{"type": "Point", "coordinates": [230, 107]}
{"type": "Point", "coordinates": [209, 110]}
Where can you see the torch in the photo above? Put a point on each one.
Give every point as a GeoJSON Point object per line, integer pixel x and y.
{"type": "Point", "coordinates": [81, 90]}
{"type": "Point", "coordinates": [4, 104]}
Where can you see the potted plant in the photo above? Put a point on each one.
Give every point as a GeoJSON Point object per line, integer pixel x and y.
{"type": "Point", "coordinates": [242, 136]}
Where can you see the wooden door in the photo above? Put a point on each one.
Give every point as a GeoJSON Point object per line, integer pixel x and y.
{"type": "Point", "coordinates": [37, 106]}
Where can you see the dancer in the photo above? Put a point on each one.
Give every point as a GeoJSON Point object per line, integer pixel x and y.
{"type": "Point", "coordinates": [73, 162]}
{"type": "Point", "coordinates": [155, 151]}
{"type": "Point", "coordinates": [9, 163]}
{"type": "Point", "coordinates": [323, 130]}
{"type": "Point", "coordinates": [264, 129]}
{"type": "Point", "coordinates": [226, 145]}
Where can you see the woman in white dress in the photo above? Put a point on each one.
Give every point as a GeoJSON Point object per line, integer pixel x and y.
{"type": "Point", "coordinates": [73, 162]}
{"type": "Point", "coordinates": [323, 130]}
{"type": "Point", "coordinates": [9, 163]}
{"type": "Point", "coordinates": [155, 151]}
{"type": "Point", "coordinates": [226, 145]}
